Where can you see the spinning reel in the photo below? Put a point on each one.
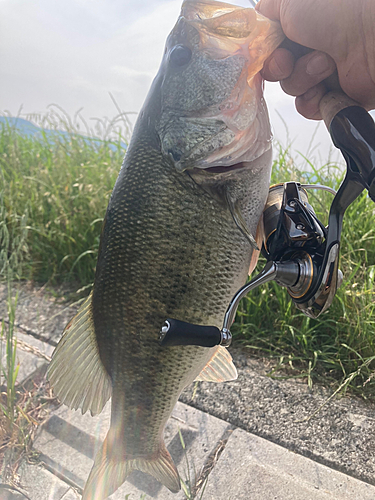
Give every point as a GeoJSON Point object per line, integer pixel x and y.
{"type": "Point", "coordinates": [302, 254]}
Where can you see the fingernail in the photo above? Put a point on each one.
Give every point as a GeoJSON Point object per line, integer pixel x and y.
{"type": "Point", "coordinates": [318, 64]}
{"type": "Point", "coordinates": [274, 68]}
{"type": "Point", "coordinates": [310, 94]}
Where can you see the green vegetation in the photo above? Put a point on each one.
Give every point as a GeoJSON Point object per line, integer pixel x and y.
{"type": "Point", "coordinates": [12, 244]}
{"type": "Point", "coordinates": [21, 409]}
{"type": "Point", "coordinates": [190, 485]}
{"type": "Point", "coordinates": [61, 188]}
{"type": "Point", "coordinates": [64, 186]}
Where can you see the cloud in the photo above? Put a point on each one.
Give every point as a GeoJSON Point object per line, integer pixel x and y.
{"type": "Point", "coordinates": [75, 53]}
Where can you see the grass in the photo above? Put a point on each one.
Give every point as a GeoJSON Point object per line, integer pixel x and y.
{"type": "Point", "coordinates": [58, 192]}
{"type": "Point", "coordinates": [10, 368]}
{"type": "Point", "coordinates": [22, 409]}
{"type": "Point", "coordinates": [12, 250]}
{"type": "Point", "coordinates": [189, 485]}
{"type": "Point", "coordinates": [64, 187]}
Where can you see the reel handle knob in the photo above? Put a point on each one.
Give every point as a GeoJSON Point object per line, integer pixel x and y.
{"type": "Point", "coordinates": [175, 332]}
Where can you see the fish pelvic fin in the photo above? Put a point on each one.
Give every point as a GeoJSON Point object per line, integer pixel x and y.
{"type": "Point", "coordinates": [220, 368]}
{"type": "Point", "coordinates": [108, 472]}
{"type": "Point", "coordinates": [76, 372]}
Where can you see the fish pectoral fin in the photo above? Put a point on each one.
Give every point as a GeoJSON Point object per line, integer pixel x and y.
{"type": "Point", "coordinates": [108, 473]}
{"type": "Point", "coordinates": [76, 372]}
{"type": "Point", "coordinates": [259, 238]}
{"type": "Point", "coordinates": [220, 368]}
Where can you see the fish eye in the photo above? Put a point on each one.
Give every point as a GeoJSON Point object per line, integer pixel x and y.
{"type": "Point", "coordinates": [179, 56]}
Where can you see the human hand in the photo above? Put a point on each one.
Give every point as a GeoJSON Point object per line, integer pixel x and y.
{"type": "Point", "coordinates": [341, 35]}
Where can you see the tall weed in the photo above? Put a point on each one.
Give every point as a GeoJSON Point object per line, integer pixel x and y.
{"type": "Point", "coordinates": [64, 182]}
{"type": "Point", "coordinates": [13, 249]}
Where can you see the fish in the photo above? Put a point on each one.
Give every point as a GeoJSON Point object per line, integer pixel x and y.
{"type": "Point", "coordinates": [179, 237]}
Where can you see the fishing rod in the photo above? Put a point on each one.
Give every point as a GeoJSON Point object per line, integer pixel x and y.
{"type": "Point", "coordinates": [302, 254]}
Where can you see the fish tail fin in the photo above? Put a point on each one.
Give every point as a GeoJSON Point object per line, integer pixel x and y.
{"type": "Point", "coordinates": [109, 472]}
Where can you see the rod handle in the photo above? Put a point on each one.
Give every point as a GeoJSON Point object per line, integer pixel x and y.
{"type": "Point", "coordinates": [176, 332]}
{"type": "Point", "coordinates": [332, 103]}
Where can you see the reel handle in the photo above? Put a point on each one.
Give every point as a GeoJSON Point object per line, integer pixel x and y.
{"type": "Point", "coordinates": [175, 332]}
{"type": "Point", "coordinates": [332, 103]}
{"type": "Point", "coordinates": [352, 130]}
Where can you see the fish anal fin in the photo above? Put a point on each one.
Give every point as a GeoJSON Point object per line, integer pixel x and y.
{"type": "Point", "coordinates": [76, 373]}
{"type": "Point", "coordinates": [108, 474]}
{"type": "Point", "coordinates": [220, 368]}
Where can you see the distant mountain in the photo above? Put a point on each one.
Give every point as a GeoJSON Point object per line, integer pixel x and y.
{"type": "Point", "coordinates": [28, 129]}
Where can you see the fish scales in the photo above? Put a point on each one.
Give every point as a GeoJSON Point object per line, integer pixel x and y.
{"type": "Point", "coordinates": [177, 240]}
{"type": "Point", "coordinates": [173, 253]}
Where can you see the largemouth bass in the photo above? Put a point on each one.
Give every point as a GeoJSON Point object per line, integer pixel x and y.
{"type": "Point", "coordinates": [177, 240]}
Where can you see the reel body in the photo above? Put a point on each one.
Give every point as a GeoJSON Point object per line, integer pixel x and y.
{"type": "Point", "coordinates": [294, 234]}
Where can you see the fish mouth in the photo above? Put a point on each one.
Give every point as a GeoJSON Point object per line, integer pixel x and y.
{"type": "Point", "coordinates": [222, 173]}
{"type": "Point", "coordinates": [228, 168]}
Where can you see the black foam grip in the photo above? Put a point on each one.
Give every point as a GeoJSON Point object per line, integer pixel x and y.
{"type": "Point", "coordinates": [182, 333]}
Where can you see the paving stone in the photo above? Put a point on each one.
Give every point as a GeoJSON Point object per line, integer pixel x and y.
{"type": "Point", "coordinates": [339, 436]}
{"type": "Point", "coordinates": [40, 484]}
{"type": "Point", "coordinates": [10, 494]}
{"type": "Point", "coordinates": [69, 441]}
{"type": "Point", "coordinates": [71, 495]}
{"type": "Point", "coordinates": [38, 311]}
{"type": "Point", "coordinates": [252, 467]}
{"type": "Point", "coordinates": [201, 434]}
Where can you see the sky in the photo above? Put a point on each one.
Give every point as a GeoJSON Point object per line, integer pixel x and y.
{"type": "Point", "coordinates": [76, 52]}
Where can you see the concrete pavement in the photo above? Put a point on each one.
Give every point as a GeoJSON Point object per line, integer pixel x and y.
{"type": "Point", "coordinates": [235, 464]}
{"type": "Point", "coordinates": [226, 439]}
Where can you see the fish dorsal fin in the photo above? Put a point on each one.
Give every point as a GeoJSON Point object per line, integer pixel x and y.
{"type": "Point", "coordinates": [76, 372]}
{"type": "Point", "coordinates": [220, 368]}
{"type": "Point", "coordinates": [107, 474]}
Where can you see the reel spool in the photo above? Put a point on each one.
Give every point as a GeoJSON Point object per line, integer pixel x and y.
{"type": "Point", "coordinates": [293, 233]}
